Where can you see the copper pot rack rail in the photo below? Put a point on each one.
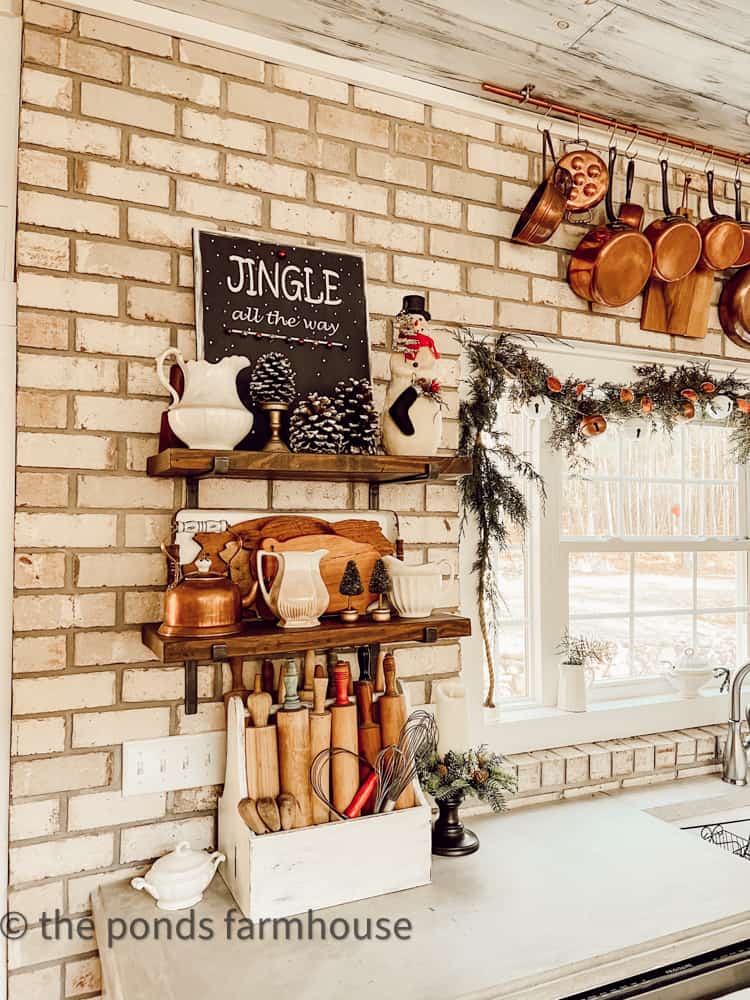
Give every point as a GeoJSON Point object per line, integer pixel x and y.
{"type": "Point", "coordinates": [526, 97]}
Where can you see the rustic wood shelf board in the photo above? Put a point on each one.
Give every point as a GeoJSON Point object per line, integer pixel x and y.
{"type": "Point", "coordinates": [269, 640]}
{"type": "Point", "coordinates": [189, 463]}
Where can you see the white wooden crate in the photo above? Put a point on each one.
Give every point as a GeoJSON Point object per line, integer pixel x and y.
{"type": "Point", "coordinates": [290, 872]}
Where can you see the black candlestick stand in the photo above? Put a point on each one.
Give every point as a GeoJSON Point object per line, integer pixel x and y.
{"type": "Point", "coordinates": [450, 838]}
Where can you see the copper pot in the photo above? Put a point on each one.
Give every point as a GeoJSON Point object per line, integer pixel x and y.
{"type": "Point", "coordinates": [744, 257]}
{"type": "Point", "coordinates": [202, 604]}
{"type": "Point", "coordinates": [612, 263]}
{"type": "Point", "coordinates": [590, 179]}
{"type": "Point", "coordinates": [734, 308]}
{"type": "Point", "coordinates": [721, 234]}
{"type": "Point", "coordinates": [630, 214]}
{"type": "Point", "coordinates": [546, 207]}
{"type": "Point", "coordinates": [675, 241]}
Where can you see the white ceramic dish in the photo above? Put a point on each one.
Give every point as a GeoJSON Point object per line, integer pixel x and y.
{"type": "Point", "coordinates": [177, 881]}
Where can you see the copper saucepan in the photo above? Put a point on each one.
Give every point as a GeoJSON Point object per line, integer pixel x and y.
{"type": "Point", "coordinates": [734, 308]}
{"type": "Point", "coordinates": [546, 207]}
{"type": "Point", "coordinates": [613, 262]}
{"type": "Point", "coordinates": [721, 234]}
{"type": "Point", "coordinates": [744, 257]}
{"type": "Point", "coordinates": [674, 239]}
{"type": "Point", "coordinates": [630, 213]}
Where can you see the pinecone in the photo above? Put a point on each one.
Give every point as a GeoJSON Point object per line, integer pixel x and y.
{"type": "Point", "coordinates": [359, 420]}
{"type": "Point", "coordinates": [272, 379]}
{"type": "Point", "coordinates": [314, 426]}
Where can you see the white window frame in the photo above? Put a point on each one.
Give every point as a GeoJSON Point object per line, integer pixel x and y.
{"type": "Point", "coordinates": [616, 708]}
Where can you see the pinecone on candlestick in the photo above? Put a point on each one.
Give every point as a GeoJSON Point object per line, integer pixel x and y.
{"type": "Point", "coordinates": [314, 426]}
{"type": "Point", "coordinates": [272, 379]}
{"type": "Point", "coordinates": [353, 401]}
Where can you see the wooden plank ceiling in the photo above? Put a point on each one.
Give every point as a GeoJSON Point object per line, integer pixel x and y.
{"type": "Point", "coordinates": [678, 65]}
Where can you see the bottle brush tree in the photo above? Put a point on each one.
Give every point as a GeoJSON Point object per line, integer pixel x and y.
{"type": "Point", "coordinates": [351, 583]}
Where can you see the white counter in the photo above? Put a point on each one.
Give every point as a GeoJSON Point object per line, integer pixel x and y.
{"type": "Point", "coordinates": [559, 899]}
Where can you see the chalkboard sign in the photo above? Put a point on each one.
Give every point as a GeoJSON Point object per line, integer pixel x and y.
{"type": "Point", "coordinates": [254, 297]}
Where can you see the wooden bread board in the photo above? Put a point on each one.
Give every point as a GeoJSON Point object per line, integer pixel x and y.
{"type": "Point", "coordinates": [680, 307]}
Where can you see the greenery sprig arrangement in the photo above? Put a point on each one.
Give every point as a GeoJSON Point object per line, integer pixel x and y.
{"type": "Point", "coordinates": [502, 368]}
{"type": "Point", "coordinates": [578, 650]}
{"type": "Point", "coordinates": [479, 772]}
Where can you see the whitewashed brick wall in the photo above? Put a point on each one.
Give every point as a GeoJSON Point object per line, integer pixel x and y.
{"type": "Point", "coordinates": [128, 139]}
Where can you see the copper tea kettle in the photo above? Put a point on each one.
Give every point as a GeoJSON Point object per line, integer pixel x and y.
{"type": "Point", "coordinates": [202, 603]}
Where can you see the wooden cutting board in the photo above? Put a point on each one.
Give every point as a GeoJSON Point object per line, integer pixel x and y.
{"type": "Point", "coordinates": [679, 307]}
{"type": "Point", "coordinates": [332, 566]}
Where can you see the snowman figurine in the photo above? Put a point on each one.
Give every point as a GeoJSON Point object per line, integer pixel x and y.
{"type": "Point", "coordinates": [412, 419]}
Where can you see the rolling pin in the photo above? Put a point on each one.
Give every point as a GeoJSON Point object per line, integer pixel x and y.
{"type": "Point", "coordinates": [261, 753]}
{"type": "Point", "coordinates": [332, 658]}
{"type": "Point", "coordinates": [368, 732]}
{"type": "Point", "coordinates": [344, 768]}
{"type": "Point", "coordinates": [266, 673]}
{"type": "Point", "coordinates": [307, 686]}
{"type": "Point", "coordinates": [392, 706]}
{"type": "Point", "coordinates": [379, 682]}
{"type": "Point", "coordinates": [320, 739]}
{"type": "Point", "coordinates": [293, 727]}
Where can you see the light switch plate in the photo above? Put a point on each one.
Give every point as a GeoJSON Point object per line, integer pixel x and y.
{"type": "Point", "coordinates": [173, 762]}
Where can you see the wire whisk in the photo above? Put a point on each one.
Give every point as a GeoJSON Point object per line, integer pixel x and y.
{"type": "Point", "coordinates": [396, 766]}
{"type": "Point", "coordinates": [320, 774]}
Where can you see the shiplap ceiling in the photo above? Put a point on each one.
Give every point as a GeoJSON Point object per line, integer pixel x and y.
{"type": "Point", "coordinates": [678, 65]}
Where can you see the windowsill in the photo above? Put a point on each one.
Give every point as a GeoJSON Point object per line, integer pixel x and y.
{"type": "Point", "coordinates": [515, 730]}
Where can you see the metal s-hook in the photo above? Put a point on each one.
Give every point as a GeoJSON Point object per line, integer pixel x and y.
{"type": "Point", "coordinates": [526, 91]}
{"type": "Point", "coordinates": [627, 153]}
{"type": "Point", "coordinates": [611, 137]}
{"type": "Point", "coordinates": [662, 152]}
{"type": "Point", "coordinates": [709, 161]}
{"type": "Point", "coordinates": [540, 125]}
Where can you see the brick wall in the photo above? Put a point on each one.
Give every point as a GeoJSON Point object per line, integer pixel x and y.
{"type": "Point", "coordinates": [128, 139]}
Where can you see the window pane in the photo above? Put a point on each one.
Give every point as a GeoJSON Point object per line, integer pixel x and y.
{"type": "Point", "coordinates": [589, 509]}
{"type": "Point", "coordinates": [651, 510]}
{"type": "Point", "coordinates": [709, 453]}
{"type": "Point", "coordinates": [613, 630]}
{"type": "Point", "coordinates": [510, 661]}
{"type": "Point", "coordinates": [663, 581]}
{"type": "Point", "coordinates": [718, 636]}
{"type": "Point", "coordinates": [711, 511]}
{"type": "Point", "coordinates": [599, 582]}
{"type": "Point", "coordinates": [659, 638]}
{"type": "Point", "coordinates": [657, 456]}
{"type": "Point", "coordinates": [512, 583]}
{"type": "Point", "coordinates": [718, 579]}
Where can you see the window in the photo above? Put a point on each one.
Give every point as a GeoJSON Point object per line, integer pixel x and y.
{"type": "Point", "coordinates": [646, 548]}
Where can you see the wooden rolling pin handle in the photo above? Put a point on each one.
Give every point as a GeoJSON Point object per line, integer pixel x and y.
{"type": "Point", "coordinates": [291, 680]}
{"type": "Point", "coordinates": [341, 682]}
{"type": "Point", "coordinates": [364, 793]}
{"type": "Point", "coordinates": [364, 702]}
{"type": "Point", "coordinates": [266, 672]}
{"type": "Point", "coordinates": [389, 669]}
{"type": "Point", "coordinates": [320, 687]}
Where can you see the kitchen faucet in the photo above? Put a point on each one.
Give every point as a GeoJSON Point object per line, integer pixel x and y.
{"type": "Point", "coordinates": [735, 749]}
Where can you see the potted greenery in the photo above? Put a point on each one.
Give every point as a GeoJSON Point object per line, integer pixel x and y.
{"type": "Point", "coordinates": [449, 779]}
{"type": "Point", "coordinates": [579, 651]}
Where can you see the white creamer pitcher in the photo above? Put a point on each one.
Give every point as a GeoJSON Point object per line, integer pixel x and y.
{"type": "Point", "coordinates": [298, 595]}
{"type": "Point", "coordinates": [416, 590]}
{"type": "Point", "coordinates": [210, 413]}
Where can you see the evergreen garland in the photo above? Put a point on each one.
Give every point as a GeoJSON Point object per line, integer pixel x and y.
{"type": "Point", "coordinates": [353, 400]}
{"type": "Point", "coordinates": [314, 426]}
{"type": "Point", "coordinates": [502, 368]}
{"type": "Point", "coordinates": [272, 379]}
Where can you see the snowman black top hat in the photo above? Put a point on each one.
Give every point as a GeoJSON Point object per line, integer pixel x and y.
{"type": "Point", "coordinates": [415, 304]}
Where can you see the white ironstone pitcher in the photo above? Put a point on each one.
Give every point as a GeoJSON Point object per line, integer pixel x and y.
{"type": "Point", "coordinates": [298, 594]}
{"type": "Point", "coordinates": [210, 413]}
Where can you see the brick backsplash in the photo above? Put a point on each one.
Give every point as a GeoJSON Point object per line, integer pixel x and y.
{"type": "Point", "coordinates": [128, 139]}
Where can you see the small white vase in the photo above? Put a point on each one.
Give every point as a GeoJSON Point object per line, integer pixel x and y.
{"type": "Point", "coordinates": [571, 691]}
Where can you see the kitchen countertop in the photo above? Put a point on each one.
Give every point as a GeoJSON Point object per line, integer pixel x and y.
{"type": "Point", "coordinates": [560, 898]}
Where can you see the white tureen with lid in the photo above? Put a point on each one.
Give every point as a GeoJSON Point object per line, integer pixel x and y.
{"type": "Point", "coordinates": [177, 880]}
{"type": "Point", "coordinates": [691, 672]}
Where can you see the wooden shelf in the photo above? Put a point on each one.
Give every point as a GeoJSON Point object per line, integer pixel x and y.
{"type": "Point", "coordinates": [193, 463]}
{"type": "Point", "coordinates": [269, 640]}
